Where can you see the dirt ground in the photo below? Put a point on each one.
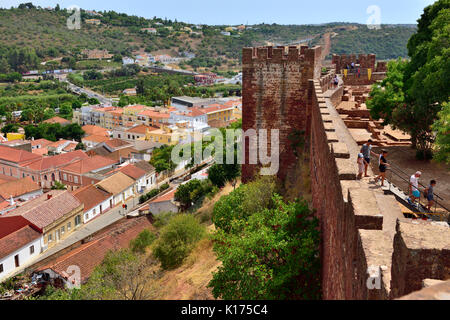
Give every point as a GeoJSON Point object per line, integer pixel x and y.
{"type": "Point", "coordinates": [404, 158]}
{"type": "Point", "coordinates": [190, 281]}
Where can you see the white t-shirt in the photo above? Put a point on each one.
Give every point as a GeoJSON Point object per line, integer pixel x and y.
{"type": "Point", "coordinates": [414, 182]}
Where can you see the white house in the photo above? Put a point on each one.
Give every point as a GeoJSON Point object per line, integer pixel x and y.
{"type": "Point", "coordinates": [18, 248]}
{"type": "Point", "coordinates": [95, 200]}
{"type": "Point", "coordinates": [119, 185]}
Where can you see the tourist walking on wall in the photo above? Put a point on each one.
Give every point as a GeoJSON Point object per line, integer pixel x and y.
{"type": "Point", "coordinates": [414, 186]}
{"type": "Point", "coordinates": [429, 194]}
{"type": "Point", "coordinates": [383, 167]}
{"type": "Point", "coordinates": [361, 165]}
{"type": "Point", "coordinates": [366, 150]}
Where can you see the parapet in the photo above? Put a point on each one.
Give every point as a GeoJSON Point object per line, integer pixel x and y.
{"type": "Point", "coordinates": [280, 54]}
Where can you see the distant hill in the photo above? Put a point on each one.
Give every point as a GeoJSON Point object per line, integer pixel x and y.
{"type": "Point", "coordinates": [45, 32]}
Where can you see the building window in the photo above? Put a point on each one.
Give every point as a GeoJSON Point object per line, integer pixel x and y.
{"type": "Point", "coordinates": [49, 239]}
{"type": "Point", "coordinates": [45, 178]}
{"type": "Point", "coordinates": [69, 225]}
{"type": "Point", "coordinates": [86, 216]}
{"type": "Point", "coordinates": [16, 260]}
{"type": "Point", "coordinates": [1, 268]}
{"type": "Point", "coordinates": [75, 179]}
{"type": "Point", "coordinates": [63, 229]}
{"type": "Point", "coordinates": [31, 249]}
{"type": "Point", "coordinates": [65, 176]}
{"type": "Point", "coordinates": [77, 220]}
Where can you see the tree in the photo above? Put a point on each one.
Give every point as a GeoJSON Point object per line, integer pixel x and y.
{"type": "Point", "coordinates": [177, 240]}
{"type": "Point", "coordinates": [217, 175]}
{"type": "Point", "coordinates": [274, 257]}
{"type": "Point", "coordinates": [143, 240]}
{"type": "Point", "coordinates": [243, 202]}
{"type": "Point", "coordinates": [414, 92]}
{"type": "Point", "coordinates": [59, 186]}
{"type": "Point", "coordinates": [442, 129]}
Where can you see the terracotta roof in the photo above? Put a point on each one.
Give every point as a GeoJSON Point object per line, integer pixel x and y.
{"type": "Point", "coordinates": [40, 151]}
{"type": "Point", "coordinates": [16, 155]}
{"type": "Point", "coordinates": [166, 197]}
{"type": "Point", "coordinates": [142, 129]}
{"type": "Point", "coordinates": [95, 130]}
{"type": "Point", "coordinates": [42, 211]}
{"type": "Point", "coordinates": [91, 196]}
{"type": "Point", "coordinates": [144, 165]}
{"type": "Point", "coordinates": [18, 187]}
{"type": "Point", "coordinates": [56, 161]}
{"type": "Point", "coordinates": [42, 142]}
{"type": "Point", "coordinates": [132, 171]}
{"type": "Point", "coordinates": [154, 114]}
{"type": "Point", "coordinates": [91, 254]}
{"type": "Point", "coordinates": [116, 183]}
{"type": "Point", "coordinates": [57, 120]}
{"type": "Point", "coordinates": [115, 155]}
{"type": "Point", "coordinates": [88, 164]}
{"type": "Point", "coordinates": [96, 138]}
{"type": "Point", "coordinates": [136, 107]}
{"type": "Point", "coordinates": [58, 143]}
{"type": "Point", "coordinates": [117, 143]}
{"type": "Point", "coordinates": [70, 147]}
{"type": "Point", "coordinates": [4, 178]}
{"type": "Point", "coordinates": [215, 108]}
{"type": "Point", "coordinates": [16, 240]}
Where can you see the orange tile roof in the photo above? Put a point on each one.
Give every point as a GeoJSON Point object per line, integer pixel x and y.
{"type": "Point", "coordinates": [4, 178]}
{"type": "Point", "coordinates": [42, 142]}
{"type": "Point", "coordinates": [91, 254]}
{"type": "Point", "coordinates": [91, 196]}
{"type": "Point", "coordinates": [57, 143]}
{"type": "Point", "coordinates": [96, 138]}
{"type": "Point", "coordinates": [95, 130]}
{"type": "Point", "coordinates": [154, 114]}
{"type": "Point", "coordinates": [16, 155]}
{"type": "Point", "coordinates": [16, 240]}
{"type": "Point", "coordinates": [132, 171]}
{"type": "Point", "coordinates": [40, 151]}
{"type": "Point", "coordinates": [116, 183]}
{"type": "Point", "coordinates": [42, 211]}
{"type": "Point", "coordinates": [136, 107]}
{"type": "Point", "coordinates": [142, 129]}
{"type": "Point", "coordinates": [57, 120]}
{"type": "Point", "coordinates": [116, 143]}
{"type": "Point", "coordinates": [70, 147]}
{"type": "Point", "coordinates": [18, 187]}
{"type": "Point", "coordinates": [56, 161]}
{"type": "Point", "coordinates": [88, 164]}
{"type": "Point", "coordinates": [166, 197]}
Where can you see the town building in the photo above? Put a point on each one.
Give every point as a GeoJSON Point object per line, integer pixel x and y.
{"type": "Point", "coordinates": [96, 201]}
{"type": "Point", "coordinates": [17, 248]}
{"type": "Point", "coordinates": [119, 185]}
{"type": "Point", "coordinates": [74, 175]}
{"type": "Point", "coordinates": [55, 215]}
{"type": "Point", "coordinates": [19, 190]}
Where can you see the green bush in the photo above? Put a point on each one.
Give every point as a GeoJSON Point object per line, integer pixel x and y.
{"type": "Point", "coordinates": [143, 240]}
{"type": "Point", "coordinates": [177, 240]}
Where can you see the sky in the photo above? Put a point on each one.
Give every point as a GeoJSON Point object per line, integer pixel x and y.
{"type": "Point", "coordinates": [233, 12]}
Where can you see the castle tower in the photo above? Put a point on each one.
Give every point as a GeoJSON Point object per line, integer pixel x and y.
{"type": "Point", "coordinates": [275, 96]}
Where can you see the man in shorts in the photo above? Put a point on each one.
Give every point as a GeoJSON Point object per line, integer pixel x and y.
{"type": "Point", "coordinates": [414, 186]}
{"type": "Point", "coordinates": [366, 150]}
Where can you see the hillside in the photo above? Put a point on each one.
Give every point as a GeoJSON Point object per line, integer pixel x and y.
{"type": "Point", "coordinates": [45, 33]}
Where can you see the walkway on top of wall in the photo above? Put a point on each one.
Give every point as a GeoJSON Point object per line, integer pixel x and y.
{"type": "Point", "coordinates": [391, 210]}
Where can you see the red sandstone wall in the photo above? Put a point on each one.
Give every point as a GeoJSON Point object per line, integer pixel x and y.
{"type": "Point", "coordinates": [365, 60]}
{"type": "Point", "coordinates": [337, 227]}
{"type": "Point", "coordinates": [275, 96]}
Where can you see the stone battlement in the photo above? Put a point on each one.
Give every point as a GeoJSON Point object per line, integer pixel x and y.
{"type": "Point", "coordinates": [280, 54]}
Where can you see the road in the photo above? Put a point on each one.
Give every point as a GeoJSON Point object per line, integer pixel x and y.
{"type": "Point", "coordinates": [91, 94]}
